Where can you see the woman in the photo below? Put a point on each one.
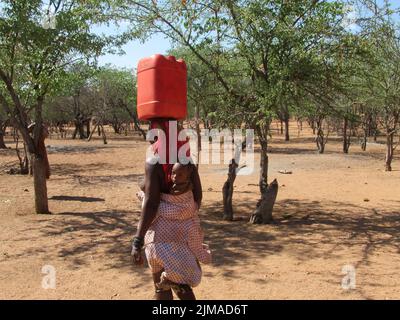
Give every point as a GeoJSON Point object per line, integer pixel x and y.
{"type": "Point", "coordinates": [159, 181]}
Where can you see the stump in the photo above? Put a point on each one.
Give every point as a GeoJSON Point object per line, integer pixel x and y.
{"type": "Point", "coordinates": [265, 206]}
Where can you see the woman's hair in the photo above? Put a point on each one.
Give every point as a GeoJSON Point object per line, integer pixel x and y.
{"type": "Point", "coordinates": [188, 167]}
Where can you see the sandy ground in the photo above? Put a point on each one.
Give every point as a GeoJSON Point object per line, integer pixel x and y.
{"type": "Point", "coordinates": [334, 210]}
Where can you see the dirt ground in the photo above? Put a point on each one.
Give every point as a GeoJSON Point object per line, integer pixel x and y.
{"type": "Point", "coordinates": [333, 210]}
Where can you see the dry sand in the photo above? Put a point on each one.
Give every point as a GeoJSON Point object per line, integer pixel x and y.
{"type": "Point", "coordinates": [323, 222]}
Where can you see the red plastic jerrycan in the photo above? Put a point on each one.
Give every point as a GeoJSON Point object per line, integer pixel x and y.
{"type": "Point", "coordinates": [161, 88]}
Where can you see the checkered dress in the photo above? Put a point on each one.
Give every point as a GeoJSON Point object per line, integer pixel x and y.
{"type": "Point", "coordinates": [174, 241]}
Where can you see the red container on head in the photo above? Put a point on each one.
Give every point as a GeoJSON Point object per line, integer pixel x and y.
{"type": "Point", "coordinates": [161, 88]}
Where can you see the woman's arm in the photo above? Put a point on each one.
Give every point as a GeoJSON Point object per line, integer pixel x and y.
{"type": "Point", "coordinates": [152, 199]}
{"type": "Point", "coordinates": [197, 190]}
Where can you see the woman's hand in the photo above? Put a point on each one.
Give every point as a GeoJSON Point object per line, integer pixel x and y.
{"type": "Point", "coordinates": [137, 256]}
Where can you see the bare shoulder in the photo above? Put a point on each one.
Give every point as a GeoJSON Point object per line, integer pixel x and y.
{"type": "Point", "coordinates": [152, 168]}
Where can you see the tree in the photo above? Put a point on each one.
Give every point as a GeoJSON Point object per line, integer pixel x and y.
{"type": "Point", "coordinates": [3, 125]}
{"type": "Point", "coordinates": [380, 76]}
{"type": "Point", "coordinates": [116, 89]}
{"type": "Point", "coordinates": [74, 99]}
{"type": "Point", "coordinates": [33, 57]}
{"type": "Point", "coordinates": [207, 101]}
{"type": "Point", "coordinates": [384, 87]}
{"type": "Point", "coordinates": [279, 47]}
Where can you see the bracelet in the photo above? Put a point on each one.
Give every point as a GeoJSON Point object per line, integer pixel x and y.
{"type": "Point", "coordinates": [138, 242]}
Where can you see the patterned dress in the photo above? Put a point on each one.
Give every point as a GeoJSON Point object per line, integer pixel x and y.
{"type": "Point", "coordinates": [174, 241]}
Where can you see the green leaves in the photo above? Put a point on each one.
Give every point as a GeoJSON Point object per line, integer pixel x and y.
{"type": "Point", "coordinates": [35, 56]}
{"type": "Point", "coordinates": [261, 55]}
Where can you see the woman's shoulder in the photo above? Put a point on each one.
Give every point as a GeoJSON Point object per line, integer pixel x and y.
{"type": "Point", "coordinates": [156, 173]}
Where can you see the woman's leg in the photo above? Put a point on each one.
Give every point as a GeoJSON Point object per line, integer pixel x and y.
{"type": "Point", "coordinates": [184, 292]}
{"type": "Point", "coordinates": [161, 294]}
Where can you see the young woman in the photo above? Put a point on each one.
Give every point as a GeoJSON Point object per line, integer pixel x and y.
{"type": "Point", "coordinates": [169, 226]}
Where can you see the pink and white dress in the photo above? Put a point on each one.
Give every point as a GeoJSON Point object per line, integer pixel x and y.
{"type": "Point", "coordinates": [174, 241]}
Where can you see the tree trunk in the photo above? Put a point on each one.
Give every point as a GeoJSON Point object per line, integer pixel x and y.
{"type": "Point", "coordinates": [103, 133]}
{"type": "Point", "coordinates": [135, 121]}
{"type": "Point", "coordinates": [287, 129]}
{"type": "Point", "coordinates": [365, 140]}
{"type": "Point", "coordinates": [40, 185]}
{"type": "Point", "coordinates": [14, 134]}
{"type": "Point", "coordinates": [2, 144]}
{"type": "Point", "coordinates": [63, 132]}
{"type": "Point", "coordinates": [389, 151]}
{"type": "Point", "coordinates": [227, 191]}
{"type": "Point", "coordinates": [81, 131]}
{"type": "Point", "coordinates": [3, 127]}
{"type": "Point", "coordinates": [96, 126]}
{"type": "Point", "coordinates": [37, 160]}
{"type": "Point", "coordinates": [265, 206]}
{"type": "Point", "coordinates": [23, 162]}
{"type": "Point", "coordinates": [263, 179]}
{"type": "Point", "coordinates": [346, 137]}
{"type": "Point", "coordinates": [311, 122]}
{"type": "Point", "coordinates": [373, 128]}
{"type": "Point", "coordinates": [43, 154]}
{"type": "Point", "coordinates": [87, 128]}
{"type": "Point", "coordinates": [78, 129]}
{"type": "Point", "coordinates": [138, 128]}
{"type": "Point", "coordinates": [320, 140]}
{"type": "Point", "coordinates": [116, 126]}
{"type": "Point", "coordinates": [197, 117]}
{"type": "Point", "coordinates": [299, 127]}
